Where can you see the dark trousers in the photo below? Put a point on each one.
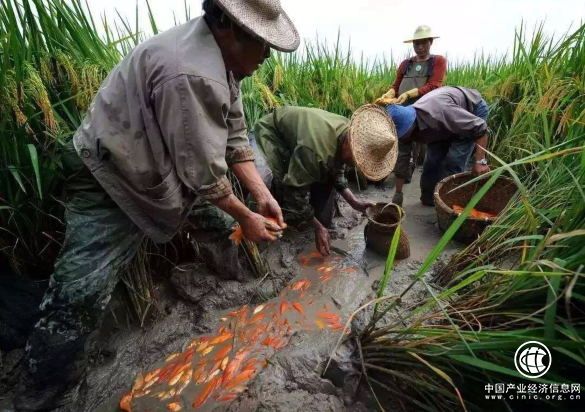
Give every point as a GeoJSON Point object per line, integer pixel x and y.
{"type": "Point", "coordinates": [447, 158]}
{"type": "Point", "coordinates": [443, 159]}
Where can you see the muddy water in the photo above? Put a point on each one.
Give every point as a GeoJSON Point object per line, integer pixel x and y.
{"type": "Point", "coordinates": [192, 307]}
{"type": "Point", "coordinates": [240, 366]}
{"type": "Point", "coordinates": [215, 369]}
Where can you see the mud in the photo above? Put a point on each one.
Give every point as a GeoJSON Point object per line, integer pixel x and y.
{"type": "Point", "coordinates": [191, 303]}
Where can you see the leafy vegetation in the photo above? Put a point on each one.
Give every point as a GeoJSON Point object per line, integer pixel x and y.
{"type": "Point", "coordinates": [521, 280]}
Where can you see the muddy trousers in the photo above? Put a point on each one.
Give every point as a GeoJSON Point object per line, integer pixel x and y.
{"type": "Point", "coordinates": [99, 241]}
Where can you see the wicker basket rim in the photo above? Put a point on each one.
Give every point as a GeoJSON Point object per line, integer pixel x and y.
{"type": "Point", "coordinates": [442, 205]}
{"type": "Point", "coordinates": [401, 212]}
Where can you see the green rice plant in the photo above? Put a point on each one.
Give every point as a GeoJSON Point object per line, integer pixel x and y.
{"type": "Point", "coordinates": [523, 278]}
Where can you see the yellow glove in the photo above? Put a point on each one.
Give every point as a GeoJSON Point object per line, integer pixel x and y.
{"type": "Point", "coordinates": [411, 94]}
{"type": "Point", "coordinates": [387, 98]}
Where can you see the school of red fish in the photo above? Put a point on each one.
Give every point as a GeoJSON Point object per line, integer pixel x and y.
{"type": "Point", "coordinates": [216, 369]}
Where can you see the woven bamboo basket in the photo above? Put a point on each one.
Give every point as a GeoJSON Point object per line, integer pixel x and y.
{"type": "Point", "coordinates": [448, 193]}
{"type": "Point", "coordinates": [383, 219]}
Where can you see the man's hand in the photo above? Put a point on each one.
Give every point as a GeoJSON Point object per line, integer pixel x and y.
{"type": "Point", "coordinates": [361, 205]}
{"type": "Point", "coordinates": [322, 238]}
{"type": "Point", "coordinates": [387, 98]}
{"type": "Point", "coordinates": [354, 202]}
{"type": "Point", "coordinates": [479, 169]}
{"type": "Point", "coordinates": [268, 206]}
{"type": "Point", "coordinates": [411, 94]}
{"type": "Point", "coordinates": [255, 228]}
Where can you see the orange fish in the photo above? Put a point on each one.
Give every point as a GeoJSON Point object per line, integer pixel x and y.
{"type": "Point", "coordinates": [275, 343]}
{"type": "Point", "coordinates": [283, 306]}
{"type": "Point", "coordinates": [332, 319]}
{"type": "Point", "coordinates": [174, 407]}
{"type": "Point", "coordinates": [237, 235]}
{"type": "Point", "coordinates": [206, 392]}
{"type": "Point", "coordinates": [198, 374]}
{"type": "Point", "coordinates": [221, 338]}
{"type": "Point", "coordinates": [241, 378]}
{"type": "Point", "coordinates": [299, 308]}
{"type": "Point", "coordinates": [301, 285]}
{"type": "Point", "coordinates": [126, 403]}
{"type": "Point", "coordinates": [223, 352]}
{"type": "Point", "coordinates": [478, 214]}
{"type": "Point", "coordinates": [234, 365]}
{"type": "Point", "coordinates": [310, 258]}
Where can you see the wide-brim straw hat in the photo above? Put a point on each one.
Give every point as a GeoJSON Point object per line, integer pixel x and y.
{"type": "Point", "coordinates": [264, 19]}
{"type": "Point", "coordinates": [422, 32]}
{"type": "Point", "coordinates": [373, 141]}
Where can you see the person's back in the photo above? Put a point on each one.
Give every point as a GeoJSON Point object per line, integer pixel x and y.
{"type": "Point", "coordinates": [293, 135]}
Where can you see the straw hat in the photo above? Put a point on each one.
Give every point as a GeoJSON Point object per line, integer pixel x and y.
{"type": "Point", "coordinates": [422, 32]}
{"type": "Point", "coordinates": [265, 19]}
{"type": "Point", "coordinates": [373, 141]}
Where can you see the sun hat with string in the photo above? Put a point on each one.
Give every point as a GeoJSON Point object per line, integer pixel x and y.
{"type": "Point", "coordinates": [422, 32]}
{"type": "Point", "coordinates": [373, 141]}
{"type": "Point", "coordinates": [264, 19]}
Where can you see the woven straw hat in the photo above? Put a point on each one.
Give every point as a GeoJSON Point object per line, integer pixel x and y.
{"type": "Point", "coordinates": [373, 141]}
{"type": "Point", "coordinates": [264, 19]}
{"type": "Point", "coordinates": [422, 32]}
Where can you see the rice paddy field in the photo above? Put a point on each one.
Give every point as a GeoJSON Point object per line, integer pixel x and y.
{"type": "Point", "coordinates": [522, 280]}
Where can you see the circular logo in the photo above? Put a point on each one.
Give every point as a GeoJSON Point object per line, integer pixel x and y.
{"type": "Point", "coordinates": [418, 68]}
{"type": "Point", "coordinates": [532, 359]}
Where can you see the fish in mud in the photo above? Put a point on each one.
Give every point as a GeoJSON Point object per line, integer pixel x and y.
{"type": "Point", "coordinates": [271, 224]}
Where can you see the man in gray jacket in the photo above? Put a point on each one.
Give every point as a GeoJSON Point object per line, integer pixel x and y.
{"type": "Point", "coordinates": [160, 135]}
{"type": "Point", "coordinates": [452, 122]}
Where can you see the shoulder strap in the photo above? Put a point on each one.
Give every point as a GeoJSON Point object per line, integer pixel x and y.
{"type": "Point", "coordinates": [431, 65]}
{"type": "Point", "coordinates": [407, 66]}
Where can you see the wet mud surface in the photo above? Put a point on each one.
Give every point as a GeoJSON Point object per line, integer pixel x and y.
{"type": "Point", "coordinates": [284, 363]}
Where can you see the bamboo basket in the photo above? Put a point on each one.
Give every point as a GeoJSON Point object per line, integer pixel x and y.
{"type": "Point", "coordinates": [383, 219]}
{"type": "Point", "coordinates": [448, 193]}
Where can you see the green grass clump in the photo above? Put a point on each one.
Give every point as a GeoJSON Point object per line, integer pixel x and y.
{"type": "Point", "coordinates": [522, 279]}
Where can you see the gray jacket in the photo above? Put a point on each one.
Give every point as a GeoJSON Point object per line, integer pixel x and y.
{"type": "Point", "coordinates": [163, 128]}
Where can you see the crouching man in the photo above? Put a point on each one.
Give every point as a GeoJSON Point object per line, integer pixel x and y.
{"type": "Point", "coordinates": [452, 122]}
{"type": "Point", "coordinates": [160, 134]}
{"type": "Point", "coordinates": [308, 150]}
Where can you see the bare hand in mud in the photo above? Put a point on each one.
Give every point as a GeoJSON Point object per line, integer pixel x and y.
{"type": "Point", "coordinates": [322, 240]}
{"type": "Point", "coordinates": [361, 206]}
{"type": "Point", "coordinates": [269, 207]}
{"type": "Point", "coordinates": [255, 229]}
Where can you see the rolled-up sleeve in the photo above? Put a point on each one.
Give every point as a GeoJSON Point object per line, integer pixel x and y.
{"type": "Point", "coordinates": [238, 146]}
{"type": "Point", "coordinates": [189, 114]}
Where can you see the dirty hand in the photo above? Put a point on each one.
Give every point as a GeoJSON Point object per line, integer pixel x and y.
{"type": "Point", "coordinates": [255, 229]}
{"type": "Point", "coordinates": [479, 169]}
{"type": "Point", "coordinates": [411, 94]}
{"type": "Point", "coordinates": [268, 206]}
{"type": "Point", "coordinates": [322, 240]}
{"type": "Point", "coordinates": [361, 205]}
{"type": "Point", "coordinates": [398, 198]}
{"type": "Point", "coordinates": [387, 98]}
